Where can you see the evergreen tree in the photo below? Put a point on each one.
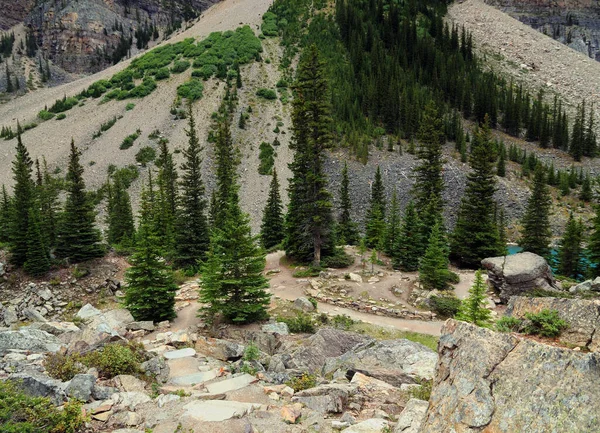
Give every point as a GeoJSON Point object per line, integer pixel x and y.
{"type": "Point", "coordinates": [226, 160]}
{"type": "Point", "coordinates": [392, 231]}
{"type": "Point", "coordinates": [272, 229]}
{"type": "Point", "coordinates": [433, 268]}
{"type": "Point", "coordinates": [593, 246]}
{"type": "Point", "coordinates": [5, 216]}
{"type": "Point", "coordinates": [120, 215]}
{"type": "Point", "coordinates": [473, 309]}
{"type": "Point", "coordinates": [536, 234]}
{"type": "Point", "coordinates": [309, 221]}
{"type": "Point", "coordinates": [375, 224]}
{"type": "Point", "coordinates": [48, 191]}
{"type": "Point", "coordinates": [570, 252]}
{"type": "Point", "coordinates": [501, 169]}
{"type": "Point", "coordinates": [233, 285]}
{"type": "Point", "coordinates": [347, 233]}
{"type": "Point", "coordinates": [476, 236]}
{"type": "Point", "coordinates": [23, 198]}
{"type": "Point", "coordinates": [78, 238]}
{"type": "Point", "coordinates": [167, 198]}
{"type": "Point", "coordinates": [577, 146]}
{"type": "Point", "coordinates": [586, 189]}
{"type": "Point", "coordinates": [192, 233]}
{"type": "Point", "coordinates": [429, 183]}
{"type": "Point", "coordinates": [150, 293]}
{"type": "Point", "coordinates": [410, 246]}
{"type": "Point", "coordinates": [38, 258]}
{"type": "Point", "coordinates": [242, 121]}
{"type": "Point", "coordinates": [9, 83]}
{"type": "Point", "coordinates": [212, 211]}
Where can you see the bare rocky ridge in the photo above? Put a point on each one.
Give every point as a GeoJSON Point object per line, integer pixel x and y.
{"type": "Point", "coordinates": [13, 12]}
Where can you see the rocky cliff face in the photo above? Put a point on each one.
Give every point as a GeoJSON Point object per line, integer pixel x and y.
{"type": "Point", "coordinates": [13, 12]}
{"type": "Point", "coordinates": [83, 36]}
{"type": "Point", "coordinates": [575, 23]}
{"type": "Point", "coordinates": [492, 382]}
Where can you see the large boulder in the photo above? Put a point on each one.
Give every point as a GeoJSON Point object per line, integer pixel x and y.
{"type": "Point", "coordinates": [223, 350]}
{"type": "Point", "coordinates": [9, 315]}
{"type": "Point", "coordinates": [100, 326]}
{"type": "Point", "coordinates": [393, 361]}
{"type": "Point", "coordinates": [324, 399]}
{"type": "Point", "coordinates": [81, 387]}
{"type": "Point", "coordinates": [582, 317]}
{"type": "Point", "coordinates": [488, 381]}
{"type": "Point", "coordinates": [32, 340]}
{"type": "Point", "coordinates": [157, 368]}
{"type": "Point", "coordinates": [519, 273]}
{"type": "Point", "coordinates": [326, 343]}
{"type": "Point", "coordinates": [39, 385]}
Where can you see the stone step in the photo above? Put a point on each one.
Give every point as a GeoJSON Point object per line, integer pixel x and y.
{"type": "Point", "coordinates": [193, 379]}
{"type": "Point", "coordinates": [217, 410]}
{"type": "Point", "coordinates": [230, 384]}
{"type": "Point", "coordinates": [181, 353]}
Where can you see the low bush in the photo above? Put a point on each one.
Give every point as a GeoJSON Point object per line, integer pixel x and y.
{"type": "Point", "coordinates": [423, 392]}
{"type": "Point", "coordinates": [267, 158]}
{"type": "Point", "coordinates": [63, 367]}
{"type": "Point", "coordinates": [126, 175]}
{"type": "Point", "coordinates": [508, 324]}
{"type": "Point", "coordinates": [269, 25]}
{"type": "Point", "coordinates": [180, 66]}
{"type": "Point", "coordinates": [63, 104]}
{"type": "Point", "coordinates": [129, 106]}
{"type": "Point", "coordinates": [445, 306]}
{"type": "Point", "coordinates": [114, 359]}
{"type": "Point", "coordinates": [302, 323]}
{"type": "Point", "coordinates": [145, 155]}
{"type": "Point", "coordinates": [251, 353]}
{"type": "Point", "coordinates": [268, 94]}
{"type": "Point", "coordinates": [306, 381]}
{"type": "Point", "coordinates": [546, 323]}
{"type": "Point", "coordinates": [45, 115]}
{"type": "Point", "coordinates": [342, 321]}
{"type": "Point", "coordinates": [338, 260]}
{"type": "Point", "coordinates": [162, 74]}
{"type": "Point", "coordinates": [129, 140]}
{"type": "Point", "coordinates": [192, 90]}
{"type": "Point", "coordinates": [61, 116]}
{"type": "Point", "coordinates": [21, 413]}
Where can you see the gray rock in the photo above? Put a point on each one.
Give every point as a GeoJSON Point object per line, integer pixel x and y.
{"type": "Point", "coordinates": [231, 384]}
{"type": "Point", "coordinates": [326, 343]}
{"type": "Point", "coordinates": [87, 312]}
{"type": "Point", "coordinates": [373, 425]}
{"type": "Point", "coordinates": [280, 328]}
{"type": "Point", "coordinates": [39, 385]}
{"type": "Point", "coordinates": [32, 340]}
{"type": "Point", "coordinates": [222, 350]}
{"type": "Point", "coordinates": [130, 400]}
{"type": "Point", "coordinates": [304, 304]}
{"type": "Point", "coordinates": [103, 392]}
{"type": "Point", "coordinates": [501, 383]}
{"type": "Point", "coordinates": [582, 317]}
{"type": "Point", "coordinates": [165, 399]}
{"type": "Point", "coordinates": [181, 353]}
{"type": "Point", "coordinates": [383, 359]}
{"type": "Point", "coordinates": [44, 293]}
{"type": "Point", "coordinates": [518, 274]}
{"type": "Point", "coordinates": [2, 269]}
{"type": "Point", "coordinates": [216, 410]}
{"type": "Point", "coordinates": [55, 328]}
{"type": "Point", "coordinates": [585, 286]}
{"type": "Point", "coordinates": [144, 325]}
{"type": "Point", "coordinates": [157, 368]}
{"type": "Point", "coordinates": [128, 383]}
{"type": "Point", "coordinates": [411, 418]}
{"type": "Point", "coordinates": [325, 399]}
{"type": "Point", "coordinates": [596, 285]}
{"type": "Point", "coordinates": [81, 387]}
{"type": "Point", "coordinates": [9, 315]}
{"type": "Point", "coordinates": [34, 315]}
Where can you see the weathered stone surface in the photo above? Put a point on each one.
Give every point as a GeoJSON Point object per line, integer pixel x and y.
{"type": "Point", "coordinates": [303, 304]}
{"type": "Point", "coordinates": [130, 400]}
{"type": "Point", "coordinates": [178, 354]}
{"type": "Point", "coordinates": [291, 412]}
{"type": "Point", "coordinates": [128, 383]}
{"type": "Point", "coordinates": [411, 418]}
{"type": "Point", "coordinates": [280, 328]}
{"type": "Point", "coordinates": [40, 385]}
{"type": "Point", "coordinates": [156, 367]}
{"type": "Point", "coordinates": [355, 277]}
{"type": "Point", "coordinates": [216, 410]}
{"type": "Point", "coordinates": [518, 273]}
{"type": "Point", "coordinates": [165, 399]}
{"type": "Point", "coordinates": [32, 340]}
{"type": "Point", "coordinates": [413, 359]}
{"type": "Point", "coordinates": [582, 316]}
{"type": "Point", "coordinates": [55, 328]}
{"type": "Point", "coordinates": [33, 315]}
{"type": "Point", "coordinates": [88, 311]}
{"type": "Point", "coordinates": [488, 381]}
{"type": "Point", "coordinates": [231, 384]}
{"type": "Point", "coordinates": [10, 315]}
{"type": "Point", "coordinates": [373, 425]}
{"type": "Point", "coordinates": [81, 387]}
{"type": "Point", "coordinates": [147, 325]}
{"type": "Point", "coordinates": [324, 399]}
{"type": "Point", "coordinates": [193, 379]}
{"type": "Point", "coordinates": [326, 343]}
{"type": "Point", "coordinates": [222, 350]}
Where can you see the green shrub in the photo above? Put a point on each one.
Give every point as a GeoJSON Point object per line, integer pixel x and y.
{"type": "Point", "coordinates": [268, 94]}
{"type": "Point", "coordinates": [251, 353]}
{"type": "Point", "coordinates": [445, 306]}
{"type": "Point", "coordinates": [266, 157]}
{"type": "Point", "coordinates": [126, 175]}
{"type": "Point", "coordinates": [192, 90]}
{"type": "Point", "coordinates": [63, 104]}
{"type": "Point", "coordinates": [116, 358]}
{"type": "Point", "coordinates": [61, 116]}
{"type": "Point", "coordinates": [145, 155]}
{"type": "Point", "coordinates": [423, 392]}
{"type": "Point", "coordinates": [162, 74]}
{"type": "Point", "coordinates": [180, 66]}
{"type": "Point", "coordinates": [338, 260]}
{"type": "Point", "coordinates": [269, 25]}
{"type": "Point", "coordinates": [342, 321]}
{"type": "Point", "coordinates": [21, 413]}
{"type": "Point", "coordinates": [32, 125]}
{"type": "Point", "coordinates": [306, 381]}
{"type": "Point", "coordinates": [307, 272]}
{"type": "Point", "coordinates": [63, 367]}
{"type": "Point", "coordinates": [508, 324]}
{"type": "Point", "coordinates": [129, 106]}
{"type": "Point", "coordinates": [546, 323]}
{"type": "Point", "coordinates": [129, 140]}
{"type": "Point", "coordinates": [302, 323]}
{"type": "Point", "coordinates": [45, 115]}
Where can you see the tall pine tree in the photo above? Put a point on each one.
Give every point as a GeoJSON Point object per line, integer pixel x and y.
{"type": "Point", "coordinates": [272, 228]}
{"type": "Point", "coordinates": [433, 268]}
{"type": "Point", "coordinates": [347, 232]}
{"type": "Point", "coordinates": [410, 245]}
{"type": "Point", "coordinates": [375, 224]}
{"type": "Point", "coordinates": [120, 216]}
{"type": "Point", "coordinates": [537, 234]}
{"type": "Point", "coordinates": [5, 216]}
{"type": "Point", "coordinates": [166, 198]}
{"type": "Point", "coordinates": [476, 234]}
{"type": "Point", "coordinates": [570, 251]}
{"type": "Point", "coordinates": [392, 230]}
{"type": "Point", "coordinates": [38, 257]}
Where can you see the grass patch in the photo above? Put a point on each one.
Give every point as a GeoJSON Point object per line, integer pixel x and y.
{"type": "Point", "coordinates": [381, 333]}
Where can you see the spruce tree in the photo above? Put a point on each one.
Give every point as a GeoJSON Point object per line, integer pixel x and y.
{"type": "Point", "coordinates": [501, 169]}
{"type": "Point", "coordinates": [48, 191]}
{"type": "Point", "coordinates": [570, 251]}
{"type": "Point", "coordinates": [410, 246]}
{"type": "Point", "coordinates": [433, 268]}
{"type": "Point", "coordinates": [392, 231]}
{"type": "Point", "coordinates": [23, 198]}
{"type": "Point", "coordinates": [150, 293]}
{"type": "Point", "coordinates": [272, 228]}
{"type": "Point", "coordinates": [347, 232]}
{"type": "Point", "coordinates": [226, 160]}
{"type": "Point", "coordinates": [593, 246]}
{"type": "Point", "coordinates": [232, 284]}
{"type": "Point", "coordinates": [473, 309]}
{"type": "Point", "coordinates": [192, 235]}
{"type": "Point", "coordinates": [375, 224]}
{"type": "Point", "coordinates": [212, 210]}
{"type": "Point", "coordinates": [586, 190]}
{"type": "Point", "coordinates": [536, 234]}
{"type": "Point", "coordinates": [38, 258]}
{"type": "Point", "coordinates": [5, 216]}
{"type": "Point", "coordinates": [476, 234]}
{"type": "Point", "coordinates": [120, 215]}
{"type": "Point", "coordinates": [78, 238]}
{"type": "Point", "coordinates": [309, 221]}
{"type": "Point", "coordinates": [166, 198]}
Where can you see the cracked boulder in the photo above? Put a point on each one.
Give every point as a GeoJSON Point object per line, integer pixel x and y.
{"type": "Point", "coordinates": [519, 273]}
{"type": "Point", "coordinates": [501, 383]}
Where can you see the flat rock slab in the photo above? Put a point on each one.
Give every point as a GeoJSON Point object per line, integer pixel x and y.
{"type": "Point", "coordinates": [217, 410]}
{"type": "Point", "coordinates": [181, 353]}
{"type": "Point", "coordinates": [193, 379]}
{"type": "Point", "coordinates": [230, 384]}
{"type": "Point", "coordinates": [373, 425]}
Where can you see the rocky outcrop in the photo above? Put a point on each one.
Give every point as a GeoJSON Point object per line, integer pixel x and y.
{"type": "Point", "coordinates": [519, 273]}
{"type": "Point", "coordinates": [492, 382]}
{"type": "Point", "coordinates": [575, 23]}
{"type": "Point", "coordinates": [30, 340]}
{"type": "Point", "coordinates": [13, 12]}
{"type": "Point", "coordinates": [582, 317]}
